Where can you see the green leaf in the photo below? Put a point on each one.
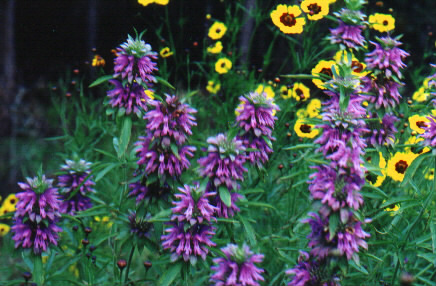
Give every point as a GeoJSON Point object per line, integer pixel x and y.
{"type": "Point", "coordinates": [257, 204]}
{"type": "Point", "coordinates": [125, 136]}
{"type": "Point", "coordinates": [100, 80]}
{"type": "Point", "coordinates": [225, 196]}
{"type": "Point", "coordinates": [333, 224]}
{"type": "Point", "coordinates": [411, 170]}
{"type": "Point", "coordinates": [164, 82]}
{"type": "Point", "coordinates": [249, 229]}
{"type": "Point", "coordinates": [175, 150]}
{"type": "Point", "coordinates": [168, 277]}
{"type": "Point", "coordinates": [359, 268]}
{"type": "Point", "coordinates": [300, 146]}
{"type": "Point", "coordinates": [105, 171]}
{"type": "Point", "coordinates": [433, 232]}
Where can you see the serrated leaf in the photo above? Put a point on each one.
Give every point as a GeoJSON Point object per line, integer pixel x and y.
{"type": "Point", "coordinates": [171, 274]}
{"type": "Point", "coordinates": [101, 80]}
{"type": "Point", "coordinates": [225, 196]}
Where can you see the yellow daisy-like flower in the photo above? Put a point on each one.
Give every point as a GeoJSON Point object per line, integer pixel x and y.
{"type": "Point", "coordinates": [98, 61]}
{"type": "Point", "coordinates": [358, 68]}
{"type": "Point", "coordinates": [413, 140]}
{"type": "Point", "coordinates": [148, 2]}
{"type": "Point", "coordinates": [213, 87]}
{"type": "Point", "coordinates": [373, 179]}
{"type": "Point", "coordinates": [381, 22]}
{"type": "Point", "coordinates": [398, 164]}
{"type": "Point", "coordinates": [300, 92]}
{"type": "Point", "coordinates": [223, 65]}
{"type": "Point", "coordinates": [416, 122]}
{"type": "Point", "coordinates": [266, 89]}
{"type": "Point", "coordinates": [323, 67]}
{"type": "Point", "coordinates": [285, 92]}
{"type": "Point", "coordinates": [315, 9]}
{"type": "Point", "coordinates": [217, 30]}
{"type": "Point", "coordinates": [9, 204]}
{"type": "Point", "coordinates": [287, 20]}
{"type": "Point", "coordinates": [239, 108]}
{"type": "Point", "coordinates": [313, 108]}
{"type": "Point", "coordinates": [302, 113]}
{"type": "Point", "coordinates": [426, 82]}
{"type": "Point", "coordinates": [165, 52]}
{"type": "Point", "coordinates": [304, 129]}
{"type": "Point", "coordinates": [430, 174]}
{"type": "Point", "coordinates": [393, 210]}
{"type": "Point", "coordinates": [4, 229]}
{"type": "Point", "coordinates": [216, 48]}
{"type": "Point", "coordinates": [420, 95]}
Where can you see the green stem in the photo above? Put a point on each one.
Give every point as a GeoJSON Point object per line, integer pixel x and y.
{"type": "Point", "coordinates": [38, 269]}
{"type": "Point", "coordinates": [126, 276]}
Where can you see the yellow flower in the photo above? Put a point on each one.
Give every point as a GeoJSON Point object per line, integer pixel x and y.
{"type": "Point", "coordinates": [149, 93]}
{"type": "Point", "coordinates": [98, 61]}
{"type": "Point", "coordinates": [305, 130]}
{"type": "Point", "coordinates": [217, 31]}
{"type": "Point", "coordinates": [223, 65]}
{"type": "Point", "coordinates": [9, 204]}
{"type": "Point", "coordinates": [239, 108]}
{"type": "Point", "coordinates": [416, 122]}
{"type": "Point", "coordinates": [358, 68]}
{"type": "Point", "coordinates": [285, 93]}
{"type": "Point", "coordinates": [392, 209]}
{"type": "Point", "coordinates": [4, 229]}
{"type": "Point", "coordinates": [104, 219]}
{"type": "Point", "coordinates": [426, 82]}
{"type": "Point", "coordinates": [315, 9]}
{"type": "Point", "coordinates": [398, 164]}
{"type": "Point", "coordinates": [381, 22]}
{"type": "Point", "coordinates": [374, 179]}
{"type": "Point", "coordinates": [147, 2]}
{"type": "Point", "coordinates": [420, 95]}
{"type": "Point", "coordinates": [287, 20]}
{"type": "Point", "coordinates": [301, 113]}
{"type": "Point", "coordinates": [413, 140]}
{"type": "Point", "coordinates": [323, 67]}
{"type": "Point", "coordinates": [430, 174]}
{"type": "Point", "coordinates": [213, 87]}
{"type": "Point", "coordinates": [165, 52]}
{"type": "Point", "coordinates": [208, 16]}
{"type": "Point", "coordinates": [314, 107]}
{"type": "Point", "coordinates": [261, 88]}
{"type": "Point", "coordinates": [216, 48]}
{"type": "Point", "coordinates": [300, 92]}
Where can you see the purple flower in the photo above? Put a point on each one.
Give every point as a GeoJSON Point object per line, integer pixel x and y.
{"type": "Point", "coordinates": [238, 267]}
{"type": "Point", "coordinates": [260, 155]}
{"type": "Point", "coordinates": [350, 236]}
{"type": "Point", "coordinates": [74, 197]}
{"type": "Point", "coordinates": [227, 211]}
{"type": "Point", "coordinates": [134, 62]}
{"type": "Point", "coordinates": [224, 162]}
{"type": "Point", "coordinates": [189, 241]}
{"type": "Point", "coordinates": [144, 192]}
{"type": "Point", "coordinates": [193, 205]}
{"type": "Point", "coordinates": [131, 97]}
{"type": "Point", "coordinates": [348, 35]}
{"type": "Point", "coordinates": [382, 132]}
{"type": "Point", "coordinates": [430, 132]}
{"type": "Point", "coordinates": [319, 239]}
{"type": "Point", "coordinates": [140, 226]}
{"type": "Point", "coordinates": [171, 118]}
{"type": "Point", "coordinates": [36, 215]}
{"type": "Point", "coordinates": [387, 57]}
{"type": "Point", "coordinates": [383, 92]}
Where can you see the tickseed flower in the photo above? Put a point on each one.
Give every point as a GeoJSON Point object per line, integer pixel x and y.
{"type": "Point", "coordinates": [165, 52]}
{"type": "Point", "coordinates": [4, 229]}
{"type": "Point", "coordinates": [325, 68]}
{"type": "Point", "coordinates": [9, 204]}
{"type": "Point", "coordinates": [381, 22]}
{"type": "Point", "coordinates": [300, 92]}
{"type": "Point", "coordinates": [223, 65]}
{"type": "Point", "coordinates": [315, 9]}
{"type": "Point", "coordinates": [421, 94]}
{"type": "Point", "coordinates": [393, 209]}
{"type": "Point", "coordinates": [237, 267]}
{"type": "Point", "coordinates": [74, 197]}
{"type": "Point", "coordinates": [217, 30]}
{"type": "Point", "coordinates": [98, 61]}
{"type": "Point", "coordinates": [374, 179]}
{"type": "Point", "coordinates": [267, 89]}
{"type": "Point", "coordinates": [313, 108]}
{"type": "Point", "coordinates": [357, 68]}
{"type": "Point", "coordinates": [304, 129]}
{"type": "Point", "coordinates": [302, 113]}
{"type": "Point", "coordinates": [417, 149]}
{"type": "Point", "coordinates": [429, 175]}
{"type": "Point", "coordinates": [286, 19]}
{"type": "Point", "coordinates": [213, 86]}
{"type": "Point", "coordinates": [215, 48]}
{"type": "Point", "coordinates": [285, 92]}
{"type": "Point", "coordinates": [418, 123]}
{"type": "Point", "coordinates": [147, 2]}
{"type": "Point", "coordinates": [398, 164]}
{"type": "Point", "coordinates": [36, 215]}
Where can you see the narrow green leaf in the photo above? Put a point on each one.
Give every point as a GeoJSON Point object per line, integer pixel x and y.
{"type": "Point", "coordinates": [433, 232]}
{"type": "Point", "coordinates": [249, 229]}
{"type": "Point", "coordinates": [168, 277]}
{"type": "Point", "coordinates": [100, 80]}
{"type": "Point", "coordinates": [333, 224]}
{"type": "Point", "coordinates": [411, 170]}
{"type": "Point", "coordinates": [225, 196]}
{"type": "Point", "coordinates": [300, 146]}
{"type": "Point", "coordinates": [105, 171]}
{"type": "Point", "coordinates": [175, 150]}
{"type": "Point", "coordinates": [257, 204]}
{"type": "Point", "coordinates": [164, 82]}
{"type": "Point", "coordinates": [125, 136]}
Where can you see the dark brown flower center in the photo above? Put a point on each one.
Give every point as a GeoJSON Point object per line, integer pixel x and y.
{"type": "Point", "coordinates": [327, 71]}
{"type": "Point", "coordinates": [288, 19]}
{"type": "Point", "coordinates": [305, 128]}
{"type": "Point", "coordinates": [218, 30]}
{"type": "Point", "coordinates": [300, 93]}
{"type": "Point", "coordinates": [385, 22]}
{"type": "Point", "coordinates": [223, 65]}
{"type": "Point", "coordinates": [314, 9]}
{"type": "Point", "coordinates": [371, 177]}
{"type": "Point", "coordinates": [401, 166]}
{"type": "Point", "coordinates": [421, 124]}
{"type": "Point", "coordinates": [285, 92]}
{"type": "Point", "coordinates": [12, 201]}
{"type": "Point", "coordinates": [356, 66]}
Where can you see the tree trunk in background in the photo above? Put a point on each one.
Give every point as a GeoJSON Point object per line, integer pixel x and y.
{"type": "Point", "coordinates": [246, 32]}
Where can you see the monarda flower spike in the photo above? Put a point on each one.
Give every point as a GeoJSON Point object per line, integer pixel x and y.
{"type": "Point", "coordinates": [36, 215]}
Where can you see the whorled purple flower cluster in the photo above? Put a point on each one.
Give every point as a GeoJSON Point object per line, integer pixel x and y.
{"type": "Point", "coordinates": [382, 132]}
{"type": "Point", "coordinates": [190, 232]}
{"type": "Point", "coordinates": [348, 35]}
{"type": "Point", "coordinates": [140, 226]}
{"type": "Point", "coordinates": [256, 120]}
{"type": "Point", "coordinates": [238, 267]}
{"type": "Point", "coordinates": [131, 97]}
{"type": "Point", "coordinates": [74, 197]}
{"type": "Point", "coordinates": [37, 212]}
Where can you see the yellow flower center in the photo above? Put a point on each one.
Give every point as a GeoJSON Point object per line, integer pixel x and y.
{"type": "Point", "coordinates": [288, 19]}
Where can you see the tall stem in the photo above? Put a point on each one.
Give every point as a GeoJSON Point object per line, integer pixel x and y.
{"type": "Point", "coordinates": [126, 276]}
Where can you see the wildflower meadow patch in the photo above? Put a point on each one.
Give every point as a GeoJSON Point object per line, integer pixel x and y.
{"type": "Point", "coordinates": [307, 165]}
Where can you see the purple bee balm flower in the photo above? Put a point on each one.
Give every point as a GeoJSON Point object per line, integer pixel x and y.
{"type": "Point", "coordinates": [257, 114]}
{"type": "Point", "coordinates": [382, 132]}
{"type": "Point", "coordinates": [189, 241]}
{"type": "Point", "coordinates": [224, 162]}
{"type": "Point", "coordinates": [227, 211]}
{"type": "Point", "coordinates": [37, 211]}
{"type": "Point", "coordinates": [336, 190]}
{"type": "Point", "coordinates": [430, 132]}
{"type": "Point", "coordinates": [260, 156]}
{"type": "Point", "coordinates": [140, 226]}
{"type": "Point", "coordinates": [319, 239]}
{"type": "Point", "coordinates": [383, 92]}
{"type": "Point", "coordinates": [74, 197]}
{"type": "Point", "coordinates": [131, 97]}
{"type": "Point", "coordinates": [161, 158]}
{"type": "Point", "coordinates": [238, 267]}
{"type": "Point", "coordinates": [171, 118]}
{"type": "Point", "coordinates": [351, 236]}
{"type": "Point", "coordinates": [348, 35]}
{"type": "Point", "coordinates": [194, 205]}
{"type": "Point", "coordinates": [387, 57]}
{"type": "Point", "coordinates": [144, 192]}
{"type": "Point", "coordinates": [134, 62]}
